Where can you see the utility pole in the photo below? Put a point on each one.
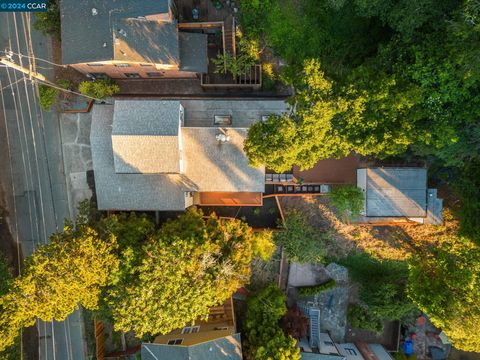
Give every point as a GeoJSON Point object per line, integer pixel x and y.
{"type": "Point", "coordinates": [26, 71]}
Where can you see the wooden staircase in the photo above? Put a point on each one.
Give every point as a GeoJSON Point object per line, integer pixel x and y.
{"type": "Point", "coordinates": [229, 36]}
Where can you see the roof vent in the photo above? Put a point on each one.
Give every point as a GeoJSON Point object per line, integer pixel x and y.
{"type": "Point", "coordinates": [94, 12]}
{"type": "Point", "coordinates": [222, 138]}
{"type": "Point", "coordinates": [104, 44]}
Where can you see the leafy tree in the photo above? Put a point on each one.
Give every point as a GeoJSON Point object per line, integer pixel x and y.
{"type": "Point", "coordinates": [348, 200]}
{"type": "Point", "coordinates": [264, 339]}
{"type": "Point", "coordinates": [47, 96]}
{"type": "Point", "coordinates": [382, 287]}
{"type": "Point", "coordinates": [300, 241]}
{"type": "Point", "coordinates": [273, 143]}
{"type": "Point", "coordinates": [99, 89]}
{"type": "Point", "coordinates": [188, 266]}
{"type": "Point", "coordinates": [444, 282]}
{"type": "Point", "coordinates": [468, 187]}
{"type": "Point", "coordinates": [11, 352]}
{"type": "Point", "coordinates": [304, 136]}
{"type": "Point", "coordinates": [239, 65]}
{"type": "Point", "coordinates": [70, 270]}
{"type": "Point", "coordinates": [49, 22]}
{"type": "Point", "coordinates": [5, 276]}
{"type": "Point", "coordinates": [406, 77]}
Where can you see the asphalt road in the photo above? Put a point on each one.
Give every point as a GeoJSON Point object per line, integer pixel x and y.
{"type": "Point", "coordinates": [31, 168]}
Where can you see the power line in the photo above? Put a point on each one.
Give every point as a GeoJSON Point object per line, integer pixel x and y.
{"type": "Point", "coordinates": [10, 85]}
{"type": "Point", "coordinates": [20, 55]}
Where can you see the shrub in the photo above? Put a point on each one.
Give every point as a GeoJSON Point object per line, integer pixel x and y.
{"type": "Point", "coordinates": [226, 63]}
{"type": "Point", "coordinates": [317, 289]}
{"type": "Point", "coordinates": [268, 77]}
{"type": "Point", "coordinates": [47, 96]}
{"type": "Point", "coordinates": [263, 245]}
{"type": "Point", "coordinates": [359, 318]}
{"type": "Point", "coordinates": [249, 46]}
{"type": "Point", "coordinates": [64, 83]}
{"type": "Point", "coordinates": [301, 242]}
{"type": "Point", "coordinates": [99, 89]}
{"type": "Point", "coordinates": [348, 200]}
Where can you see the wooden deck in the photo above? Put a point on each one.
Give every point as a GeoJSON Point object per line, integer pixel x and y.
{"type": "Point", "coordinates": [331, 171]}
{"type": "Point", "coordinates": [230, 199]}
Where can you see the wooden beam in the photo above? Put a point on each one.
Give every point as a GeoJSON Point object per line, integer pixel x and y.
{"type": "Point", "coordinates": [201, 25]}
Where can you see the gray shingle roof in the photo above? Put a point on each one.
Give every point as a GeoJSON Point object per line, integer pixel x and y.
{"type": "Point", "coordinates": [135, 143]}
{"type": "Point", "coordinates": [226, 348]}
{"type": "Point", "coordinates": [215, 166]}
{"type": "Point", "coordinates": [396, 192]}
{"type": "Point", "coordinates": [146, 117]}
{"type": "Point", "coordinates": [146, 41]}
{"type": "Point", "coordinates": [129, 191]}
{"type": "Point", "coordinates": [243, 112]}
{"type": "Point", "coordinates": [193, 52]}
{"type": "Point", "coordinates": [84, 34]}
{"type": "Point", "coordinates": [145, 136]}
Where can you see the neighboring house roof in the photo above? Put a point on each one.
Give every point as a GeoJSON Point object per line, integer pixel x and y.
{"type": "Point", "coordinates": [193, 52]}
{"type": "Point", "coordinates": [395, 192]}
{"type": "Point", "coordinates": [380, 352]}
{"type": "Point", "coordinates": [87, 34]}
{"type": "Point", "coordinates": [226, 348]}
{"type": "Point", "coordinates": [145, 136]}
{"type": "Point", "coordinates": [314, 356]}
{"type": "Point", "coordinates": [129, 191]}
{"type": "Point", "coordinates": [214, 166]}
{"type": "Point", "coordinates": [140, 40]}
{"type": "Point", "coordinates": [244, 113]}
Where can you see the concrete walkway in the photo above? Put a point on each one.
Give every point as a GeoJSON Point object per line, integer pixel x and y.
{"type": "Point", "coordinates": [77, 157]}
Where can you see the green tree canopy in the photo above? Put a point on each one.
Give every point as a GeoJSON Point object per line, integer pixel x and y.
{"type": "Point", "coordinates": [191, 264]}
{"type": "Point", "coordinates": [403, 77]}
{"type": "Point", "coordinates": [382, 287]}
{"type": "Point", "coordinates": [264, 337]}
{"type": "Point", "coordinates": [444, 282]}
{"type": "Point", "coordinates": [305, 135]}
{"type": "Point", "coordinates": [59, 276]}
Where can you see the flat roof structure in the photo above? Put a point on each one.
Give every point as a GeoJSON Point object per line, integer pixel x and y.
{"type": "Point", "coordinates": [243, 112]}
{"type": "Point", "coordinates": [394, 192]}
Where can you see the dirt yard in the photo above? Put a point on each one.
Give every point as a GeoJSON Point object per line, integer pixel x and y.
{"type": "Point", "coordinates": [384, 242]}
